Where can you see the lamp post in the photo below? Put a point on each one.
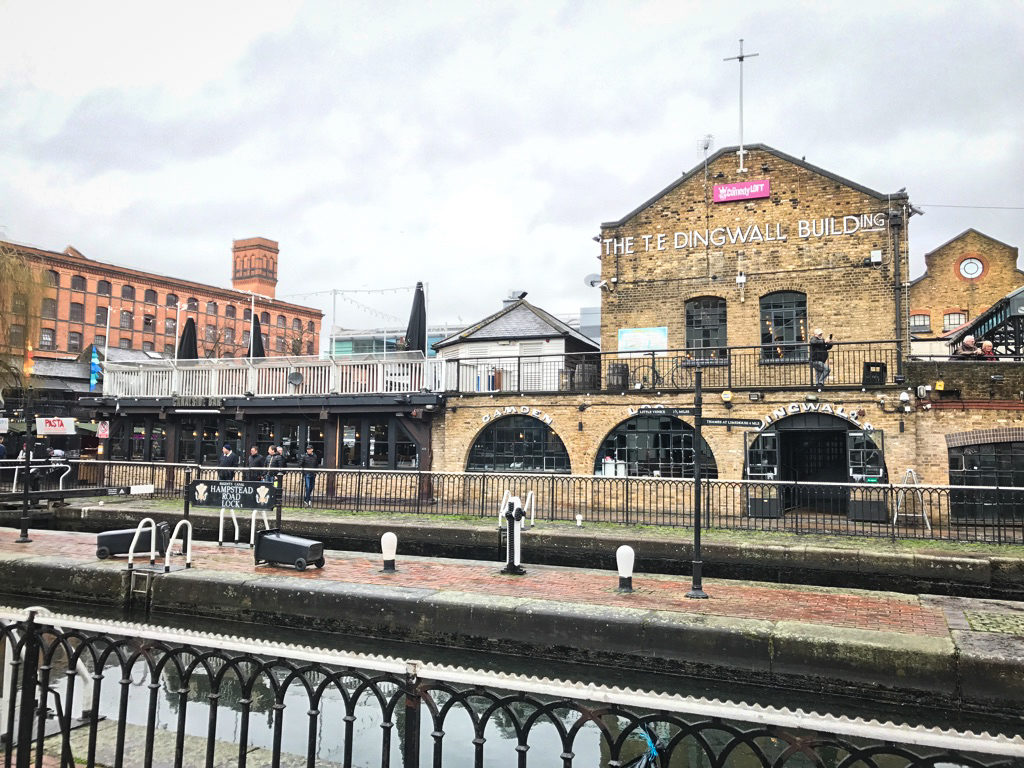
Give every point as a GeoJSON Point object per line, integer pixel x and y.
{"type": "Point", "coordinates": [697, 587]}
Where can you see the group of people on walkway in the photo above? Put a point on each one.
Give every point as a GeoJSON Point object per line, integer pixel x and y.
{"type": "Point", "coordinates": [969, 350]}
{"type": "Point", "coordinates": [265, 468]}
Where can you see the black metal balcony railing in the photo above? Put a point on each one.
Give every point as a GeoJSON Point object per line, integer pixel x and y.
{"type": "Point", "coordinates": [852, 364]}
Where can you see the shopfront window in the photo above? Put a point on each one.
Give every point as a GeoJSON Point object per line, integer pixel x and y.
{"type": "Point", "coordinates": [518, 444]}
{"type": "Point", "coordinates": [784, 326]}
{"type": "Point", "coordinates": [378, 444]}
{"type": "Point", "coordinates": [997, 465]}
{"type": "Point", "coordinates": [652, 446]}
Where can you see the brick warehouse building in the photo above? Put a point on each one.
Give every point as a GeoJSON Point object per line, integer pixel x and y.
{"type": "Point", "coordinates": [731, 272]}
{"type": "Point", "coordinates": [145, 307]}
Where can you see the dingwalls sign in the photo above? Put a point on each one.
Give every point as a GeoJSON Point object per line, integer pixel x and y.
{"type": "Point", "coordinates": [832, 410]}
{"type": "Point", "coordinates": [512, 410]}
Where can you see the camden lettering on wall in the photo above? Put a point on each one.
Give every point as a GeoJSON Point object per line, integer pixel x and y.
{"type": "Point", "coordinates": [520, 410]}
{"type": "Point", "coordinates": [834, 410]}
{"type": "Point", "coordinates": [806, 229]}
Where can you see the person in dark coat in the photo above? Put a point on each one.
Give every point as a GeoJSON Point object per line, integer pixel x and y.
{"type": "Point", "coordinates": [819, 357]}
{"type": "Point", "coordinates": [229, 461]}
{"type": "Point", "coordinates": [256, 463]}
{"type": "Point", "coordinates": [308, 461]}
{"type": "Point", "coordinates": [3, 449]}
{"type": "Point", "coordinates": [273, 463]}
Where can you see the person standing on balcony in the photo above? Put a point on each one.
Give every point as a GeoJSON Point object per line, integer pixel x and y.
{"type": "Point", "coordinates": [228, 461]}
{"type": "Point", "coordinates": [309, 461]}
{"type": "Point", "coordinates": [255, 462]}
{"type": "Point", "coordinates": [987, 352]}
{"type": "Point", "coordinates": [819, 357]}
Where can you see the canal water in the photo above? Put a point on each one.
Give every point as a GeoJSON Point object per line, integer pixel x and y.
{"type": "Point", "coordinates": [545, 746]}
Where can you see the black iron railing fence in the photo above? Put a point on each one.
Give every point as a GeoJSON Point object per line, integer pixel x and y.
{"type": "Point", "coordinates": [870, 363]}
{"type": "Point", "coordinates": [128, 694]}
{"type": "Point", "coordinates": [965, 513]}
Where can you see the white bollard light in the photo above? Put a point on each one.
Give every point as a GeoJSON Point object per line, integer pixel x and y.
{"type": "Point", "coordinates": [579, 521]}
{"type": "Point", "coordinates": [624, 557]}
{"type": "Point", "coordinates": [388, 549]}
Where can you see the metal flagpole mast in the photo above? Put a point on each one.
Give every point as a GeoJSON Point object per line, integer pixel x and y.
{"type": "Point", "coordinates": [740, 59]}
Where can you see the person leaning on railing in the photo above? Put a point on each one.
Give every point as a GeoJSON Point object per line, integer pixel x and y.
{"type": "Point", "coordinates": [967, 350]}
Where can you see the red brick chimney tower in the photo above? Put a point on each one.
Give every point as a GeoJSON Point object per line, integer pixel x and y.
{"type": "Point", "coordinates": [255, 265]}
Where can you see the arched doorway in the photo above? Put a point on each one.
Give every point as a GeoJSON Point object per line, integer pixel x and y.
{"type": "Point", "coordinates": [653, 446]}
{"type": "Point", "coordinates": [518, 444]}
{"type": "Point", "coordinates": [816, 448]}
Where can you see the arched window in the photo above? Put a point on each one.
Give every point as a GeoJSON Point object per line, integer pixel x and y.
{"type": "Point", "coordinates": [281, 322]}
{"type": "Point", "coordinates": [211, 307]}
{"type": "Point", "coordinates": [193, 304]}
{"type": "Point", "coordinates": [49, 309]}
{"type": "Point", "coordinates": [518, 444]}
{"type": "Point", "coordinates": [296, 324]}
{"type": "Point", "coordinates": [279, 344]}
{"type": "Point", "coordinates": [652, 446]}
{"type": "Point", "coordinates": [128, 292]}
{"type": "Point", "coordinates": [311, 327]}
{"type": "Point", "coordinates": [103, 288]}
{"type": "Point", "coordinates": [126, 318]}
{"type": "Point", "coordinates": [706, 327]}
{"type": "Point", "coordinates": [150, 296]}
{"type": "Point", "coordinates": [247, 314]}
{"type": "Point", "coordinates": [309, 347]}
{"type": "Point", "coordinates": [172, 300]}
{"type": "Point", "coordinates": [784, 326]}
{"type": "Point", "coordinates": [229, 310]}
{"type": "Point", "coordinates": [76, 312]}
{"type": "Point", "coordinates": [52, 278]}
{"type": "Point", "coordinates": [264, 318]}
{"type": "Point", "coordinates": [77, 283]}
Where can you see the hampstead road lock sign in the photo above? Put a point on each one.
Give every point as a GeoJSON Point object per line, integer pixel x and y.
{"type": "Point", "coordinates": [232, 495]}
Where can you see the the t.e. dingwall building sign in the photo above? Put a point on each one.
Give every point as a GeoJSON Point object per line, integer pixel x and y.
{"type": "Point", "coordinates": [514, 410]}
{"type": "Point", "coordinates": [748, 234]}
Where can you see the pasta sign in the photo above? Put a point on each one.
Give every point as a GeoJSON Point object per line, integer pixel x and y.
{"type": "Point", "coordinates": [55, 425]}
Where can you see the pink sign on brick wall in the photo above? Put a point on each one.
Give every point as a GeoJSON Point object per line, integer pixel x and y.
{"type": "Point", "coordinates": [742, 190]}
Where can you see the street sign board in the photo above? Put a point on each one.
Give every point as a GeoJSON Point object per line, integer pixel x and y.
{"type": "Point", "coordinates": [232, 495]}
{"type": "Point", "coordinates": [55, 425]}
{"type": "Point", "coordinates": [660, 410]}
{"type": "Point", "coordinates": [717, 422]}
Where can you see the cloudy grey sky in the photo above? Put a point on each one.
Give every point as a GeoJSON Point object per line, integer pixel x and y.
{"type": "Point", "coordinates": [476, 146]}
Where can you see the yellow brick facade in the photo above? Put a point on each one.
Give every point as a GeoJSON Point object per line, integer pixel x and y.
{"type": "Point", "coordinates": [651, 283]}
{"type": "Point", "coordinates": [944, 289]}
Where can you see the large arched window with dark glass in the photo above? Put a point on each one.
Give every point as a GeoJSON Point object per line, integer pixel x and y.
{"type": "Point", "coordinates": [653, 446]}
{"type": "Point", "coordinates": [784, 326]}
{"type": "Point", "coordinates": [705, 327]}
{"type": "Point", "coordinates": [128, 292]}
{"type": "Point", "coordinates": [518, 444]}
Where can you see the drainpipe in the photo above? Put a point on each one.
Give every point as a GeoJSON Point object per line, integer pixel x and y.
{"type": "Point", "coordinates": [896, 223]}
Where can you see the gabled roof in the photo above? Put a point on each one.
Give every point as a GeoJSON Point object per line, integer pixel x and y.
{"type": "Point", "coordinates": [952, 240]}
{"type": "Point", "coordinates": [968, 231]}
{"type": "Point", "coordinates": [518, 320]}
{"type": "Point", "coordinates": [699, 168]}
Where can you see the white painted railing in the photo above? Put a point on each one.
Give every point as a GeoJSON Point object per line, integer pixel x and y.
{"type": "Point", "coordinates": [271, 377]}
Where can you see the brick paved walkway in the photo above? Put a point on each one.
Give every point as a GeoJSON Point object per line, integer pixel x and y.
{"type": "Point", "coordinates": [856, 609]}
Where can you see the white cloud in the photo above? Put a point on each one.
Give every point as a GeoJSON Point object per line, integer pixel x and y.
{"type": "Point", "coordinates": [475, 146]}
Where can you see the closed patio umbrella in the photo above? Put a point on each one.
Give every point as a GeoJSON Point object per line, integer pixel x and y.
{"type": "Point", "coordinates": [256, 339]}
{"type": "Point", "coordinates": [416, 333]}
{"type": "Point", "coordinates": [188, 345]}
